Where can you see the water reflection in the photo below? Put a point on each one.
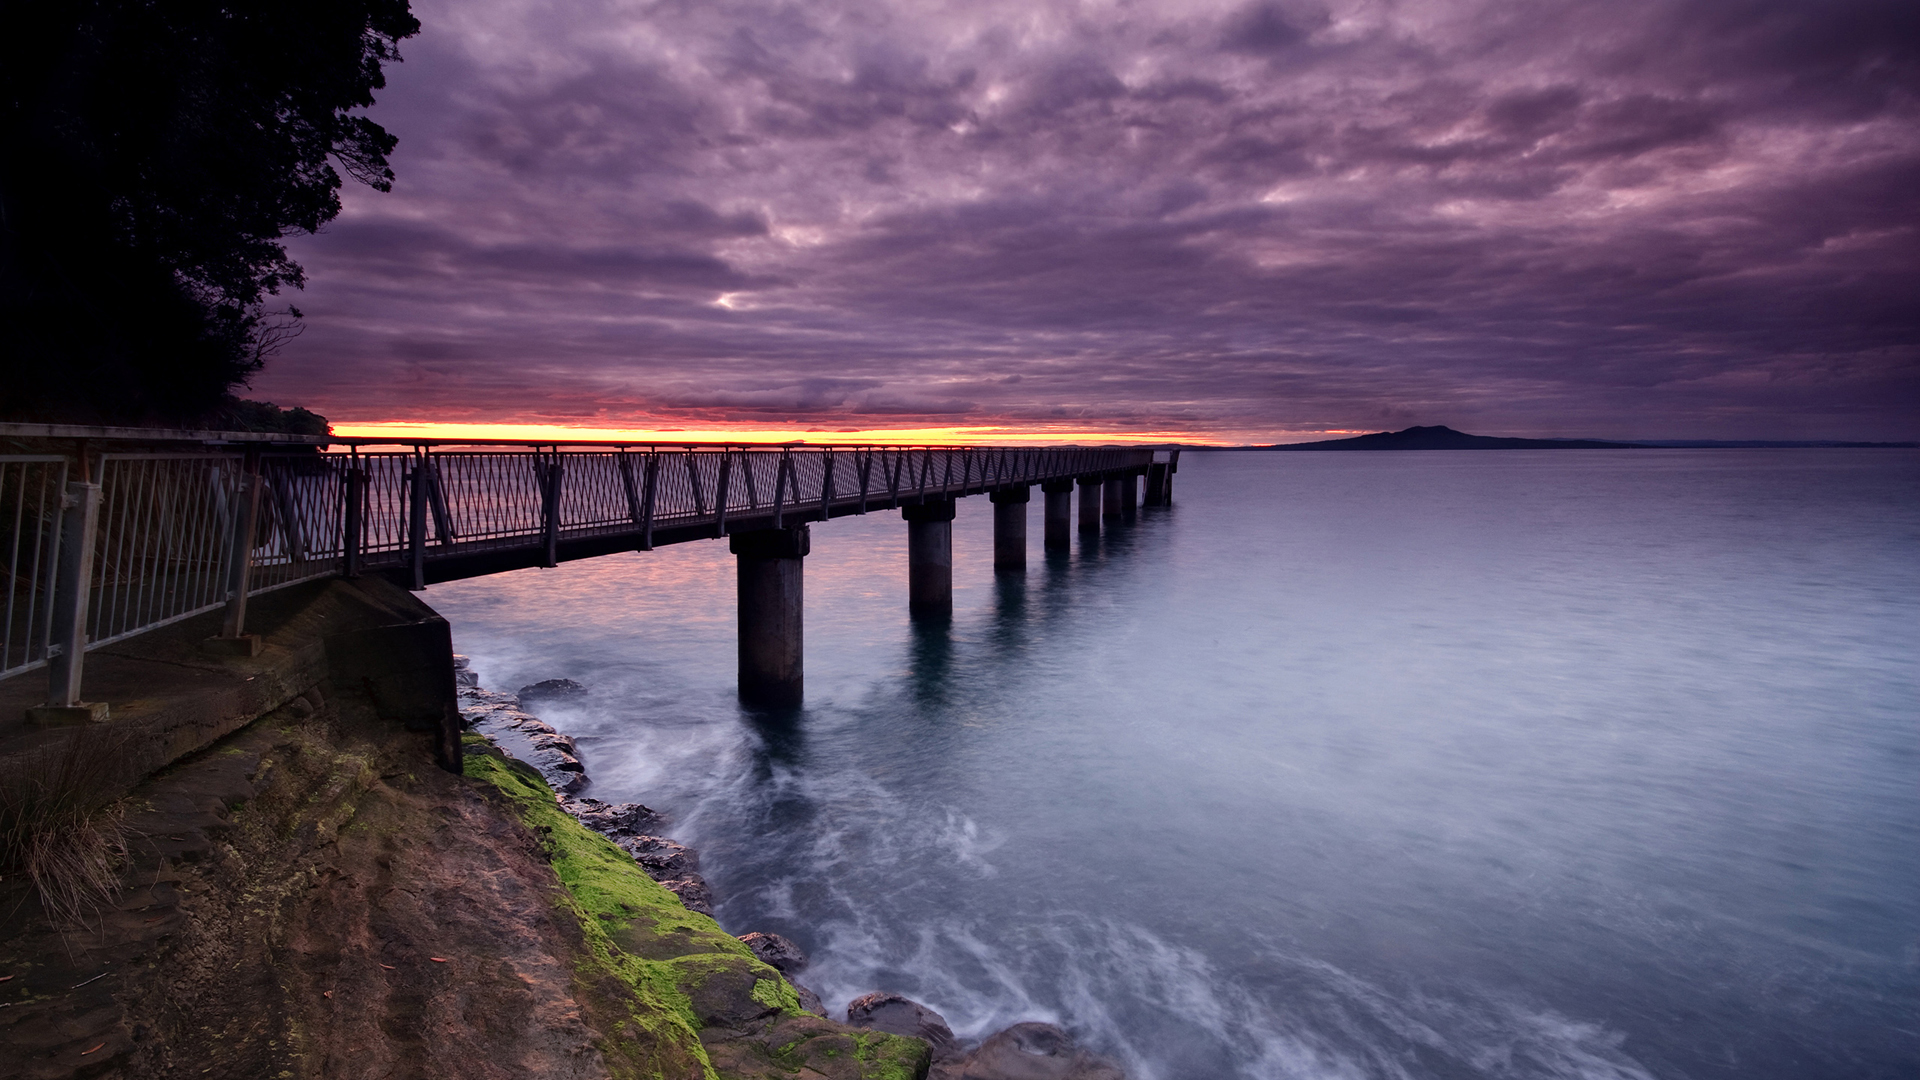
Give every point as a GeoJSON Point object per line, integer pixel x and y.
{"type": "Point", "coordinates": [782, 739]}
{"type": "Point", "coordinates": [929, 661]}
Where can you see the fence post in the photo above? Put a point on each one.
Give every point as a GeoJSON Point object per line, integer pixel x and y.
{"type": "Point", "coordinates": [653, 477]}
{"type": "Point", "coordinates": [73, 580]}
{"type": "Point", "coordinates": [628, 484]}
{"type": "Point", "coordinates": [826, 486]}
{"type": "Point", "coordinates": [552, 522]}
{"type": "Point", "coordinates": [720, 493]}
{"type": "Point", "coordinates": [437, 501]}
{"type": "Point", "coordinates": [354, 520]}
{"type": "Point", "coordinates": [780, 478]}
{"type": "Point", "coordinates": [246, 517]}
{"type": "Point", "coordinates": [417, 522]}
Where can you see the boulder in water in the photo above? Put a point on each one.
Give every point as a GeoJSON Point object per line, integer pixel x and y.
{"type": "Point", "coordinates": [550, 690]}
{"type": "Point", "coordinates": [902, 1016]}
{"type": "Point", "coordinates": [776, 951]}
{"type": "Point", "coordinates": [809, 1000]}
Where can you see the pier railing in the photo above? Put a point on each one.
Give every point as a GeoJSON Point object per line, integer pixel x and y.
{"type": "Point", "coordinates": [98, 547]}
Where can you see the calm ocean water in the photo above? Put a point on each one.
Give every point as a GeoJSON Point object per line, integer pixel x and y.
{"type": "Point", "coordinates": [1520, 764]}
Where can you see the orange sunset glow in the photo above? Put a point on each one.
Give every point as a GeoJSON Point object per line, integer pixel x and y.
{"type": "Point", "coordinates": [982, 435]}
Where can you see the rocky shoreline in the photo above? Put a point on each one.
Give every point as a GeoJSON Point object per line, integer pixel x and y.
{"type": "Point", "coordinates": [1026, 1051]}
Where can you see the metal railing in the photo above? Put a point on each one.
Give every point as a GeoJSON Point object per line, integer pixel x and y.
{"type": "Point", "coordinates": [163, 536]}
{"type": "Point", "coordinates": [414, 508]}
{"type": "Point", "coordinates": [32, 492]}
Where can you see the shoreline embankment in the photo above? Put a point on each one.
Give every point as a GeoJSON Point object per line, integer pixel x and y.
{"type": "Point", "coordinates": [320, 872]}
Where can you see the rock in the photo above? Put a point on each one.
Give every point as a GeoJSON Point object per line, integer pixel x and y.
{"type": "Point", "coordinates": [902, 1016]}
{"type": "Point", "coordinates": [613, 820]}
{"type": "Point", "coordinates": [550, 690]}
{"type": "Point", "coordinates": [809, 1000]}
{"type": "Point", "coordinates": [721, 993]}
{"type": "Point", "coordinates": [659, 856]}
{"type": "Point", "coordinates": [524, 736]}
{"type": "Point", "coordinates": [1032, 1051]}
{"type": "Point", "coordinates": [463, 673]}
{"type": "Point", "coordinates": [776, 951]}
{"type": "Point", "coordinates": [693, 893]}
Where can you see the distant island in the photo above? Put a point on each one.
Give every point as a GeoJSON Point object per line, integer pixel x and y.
{"type": "Point", "coordinates": [1440, 437]}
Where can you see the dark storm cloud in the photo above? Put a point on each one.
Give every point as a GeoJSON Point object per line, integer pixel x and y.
{"type": "Point", "coordinates": [1608, 218]}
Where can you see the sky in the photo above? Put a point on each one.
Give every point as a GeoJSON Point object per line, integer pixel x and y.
{"type": "Point", "coordinates": [1220, 222]}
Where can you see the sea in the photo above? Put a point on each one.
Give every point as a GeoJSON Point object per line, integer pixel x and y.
{"type": "Point", "coordinates": [1522, 764]}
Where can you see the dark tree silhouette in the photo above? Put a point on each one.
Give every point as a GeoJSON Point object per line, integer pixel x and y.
{"type": "Point", "coordinates": [152, 156]}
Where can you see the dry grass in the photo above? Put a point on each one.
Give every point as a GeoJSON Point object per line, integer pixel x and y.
{"type": "Point", "coordinates": [60, 824]}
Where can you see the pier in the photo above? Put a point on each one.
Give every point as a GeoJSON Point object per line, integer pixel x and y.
{"type": "Point", "coordinates": [113, 532]}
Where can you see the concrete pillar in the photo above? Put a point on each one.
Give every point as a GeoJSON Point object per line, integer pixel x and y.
{"type": "Point", "coordinates": [1156, 483]}
{"type": "Point", "coordinates": [1090, 506]}
{"type": "Point", "coordinates": [1059, 515]}
{"type": "Point", "coordinates": [1110, 498]}
{"type": "Point", "coordinates": [1010, 527]}
{"type": "Point", "coordinates": [768, 563]}
{"type": "Point", "coordinates": [929, 559]}
{"type": "Point", "coordinates": [1130, 497]}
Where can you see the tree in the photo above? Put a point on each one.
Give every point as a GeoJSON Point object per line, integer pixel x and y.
{"type": "Point", "coordinates": [152, 157]}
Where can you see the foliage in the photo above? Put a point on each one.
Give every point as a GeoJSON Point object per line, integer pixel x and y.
{"type": "Point", "coordinates": [156, 153]}
{"type": "Point", "coordinates": [237, 414]}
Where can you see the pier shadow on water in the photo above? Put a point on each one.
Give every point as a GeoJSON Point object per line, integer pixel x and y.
{"type": "Point", "coordinates": [929, 661]}
{"type": "Point", "coordinates": [1006, 629]}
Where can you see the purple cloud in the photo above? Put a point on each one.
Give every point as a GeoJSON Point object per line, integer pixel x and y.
{"type": "Point", "coordinates": [1627, 219]}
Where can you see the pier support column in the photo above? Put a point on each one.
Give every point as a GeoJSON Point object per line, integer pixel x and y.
{"type": "Point", "coordinates": [1059, 514]}
{"type": "Point", "coordinates": [1090, 506]}
{"type": "Point", "coordinates": [1110, 498]}
{"type": "Point", "coordinates": [1129, 496]}
{"type": "Point", "coordinates": [929, 559]}
{"type": "Point", "coordinates": [768, 564]}
{"type": "Point", "coordinates": [1010, 527]}
{"type": "Point", "coordinates": [1156, 483]}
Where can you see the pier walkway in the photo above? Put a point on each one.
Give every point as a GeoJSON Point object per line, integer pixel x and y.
{"type": "Point", "coordinates": [107, 533]}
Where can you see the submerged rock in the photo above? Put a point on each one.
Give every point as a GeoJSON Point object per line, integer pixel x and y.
{"type": "Point", "coordinates": [1030, 1051]}
{"type": "Point", "coordinates": [776, 952]}
{"type": "Point", "coordinates": [903, 1016]}
{"type": "Point", "coordinates": [550, 690]}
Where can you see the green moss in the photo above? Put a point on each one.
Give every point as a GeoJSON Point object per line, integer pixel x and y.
{"type": "Point", "coordinates": [889, 1057]}
{"type": "Point", "coordinates": [617, 905]}
{"type": "Point", "coordinates": [776, 994]}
